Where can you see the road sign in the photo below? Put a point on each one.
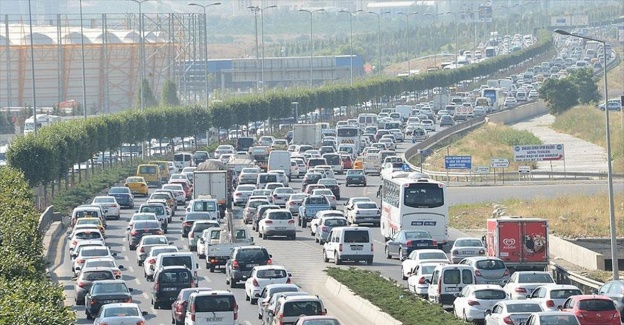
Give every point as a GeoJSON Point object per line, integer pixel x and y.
{"type": "Point", "coordinates": [542, 152]}
{"type": "Point", "coordinates": [524, 170]}
{"type": "Point", "coordinates": [406, 167]}
{"type": "Point", "coordinates": [458, 162]}
{"type": "Point", "coordinates": [499, 163]}
{"type": "Point", "coordinates": [482, 170]}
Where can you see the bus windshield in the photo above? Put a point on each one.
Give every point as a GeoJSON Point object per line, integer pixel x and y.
{"type": "Point", "coordinates": [347, 132]}
{"type": "Point", "coordinates": [423, 195]}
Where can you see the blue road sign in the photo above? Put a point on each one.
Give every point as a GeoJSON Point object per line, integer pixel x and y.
{"type": "Point", "coordinates": [458, 162]}
{"type": "Point", "coordinates": [406, 168]}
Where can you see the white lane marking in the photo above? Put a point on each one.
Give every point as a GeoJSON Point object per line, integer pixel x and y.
{"type": "Point", "coordinates": [123, 248]}
{"type": "Point", "coordinates": [144, 294]}
{"type": "Point", "coordinates": [131, 269]}
{"type": "Point", "coordinates": [138, 281]}
{"type": "Point", "coordinates": [379, 242]}
{"type": "Point", "coordinates": [126, 258]}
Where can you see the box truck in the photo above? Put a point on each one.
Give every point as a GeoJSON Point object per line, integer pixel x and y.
{"type": "Point", "coordinates": [522, 243]}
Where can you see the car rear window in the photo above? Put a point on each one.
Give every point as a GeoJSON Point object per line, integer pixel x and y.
{"type": "Point", "coordinates": [88, 235]}
{"type": "Point", "coordinates": [454, 276]}
{"type": "Point", "coordinates": [308, 308]}
{"type": "Point", "coordinates": [596, 305]}
{"type": "Point", "coordinates": [433, 256]}
{"type": "Point", "coordinates": [534, 278]}
{"type": "Point", "coordinates": [178, 261]}
{"type": "Point", "coordinates": [94, 252]}
{"type": "Point", "coordinates": [146, 225]}
{"type": "Point", "coordinates": [197, 216]}
{"type": "Point", "coordinates": [564, 294]}
{"type": "Point", "coordinates": [252, 254]}
{"type": "Point", "coordinates": [157, 209]}
{"type": "Point", "coordinates": [366, 205]}
{"type": "Point", "coordinates": [98, 275]}
{"type": "Point", "coordinates": [490, 294]}
{"type": "Point", "coordinates": [214, 303]}
{"type": "Point", "coordinates": [271, 274]}
{"type": "Point", "coordinates": [175, 277]}
{"type": "Point", "coordinates": [490, 265]}
{"type": "Point", "coordinates": [268, 178]}
{"type": "Point", "coordinates": [279, 215]}
{"type": "Point", "coordinates": [356, 236]}
{"type": "Point", "coordinates": [525, 308]}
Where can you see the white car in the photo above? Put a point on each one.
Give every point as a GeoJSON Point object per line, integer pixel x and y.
{"type": "Point", "coordinates": [418, 276]}
{"type": "Point", "coordinates": [108, 203]}
{"type": "Point", "coordinates": [551, 296]}
{"type": "Point", "coordinates": [522, 283]}
{"type": "Point", "coordinates": [281, 195]}
{"type": "Point", "coordinates": [349, 205]}
{"type": "Point", "coordinates": [328, 194]}
{"type": "Point", "coordinates": [466, 247]}
{"type": "Point", "coordinates": [178, 190]}
{"type": "Point", "coordinates": [248, 175]}
{"type": "Point", "coordinates": [281, 176]}
{"type": "Point", "coordinates": [80, 235]}
{"type": "Point", "coordinates": [389, 168]}
{"type": "Point", "coordinates": [428, 125]}
{"type": "Point", "coordinates": [422, 255]}
{"type": "Point", "coordinates": [511, 312]}
{"type": "Point", "coordinates": [141, 216]}
{"type": "Point", "coordinates": [510, 101]}
{"type": "Point", "coordinates": [303, 169]}
{"type": "Point", "coordinates": [179, 177]}
{"type": "Point", "coordinates": [242, 194]}
{"type": "Point", "coordinates": [471, 304]}
{"type": "Point", "coordinates": [148, 242]}
{"type": "Point", "coordinates": [260, 277]}
{"type": "Point", "coordinates": [398, 135]}
{"type": "Point", "coordinates": [108, 262]}
{"type": "Point", "coordinates": [388, 142]}
{"type": "Point", "coordinates": [552, 317]}
{"type": "Point", "coordinates": [88, 253]}
{"type": "Point", "coordinates": [278, 222]}
{"type": "Point", "coordinates": [325, 213]}
{"type": "Point", "coordinates": [150, 259]}
{"type": "Point", "coordinates": [224, 149]}
{"type": "Point", "coordinates": [294, 169]}
{"type": "Point", "coordinates": [364, 213]}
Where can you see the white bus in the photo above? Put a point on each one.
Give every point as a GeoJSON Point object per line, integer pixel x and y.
{"type": "Point", "coordinates": [42, 120]}
{"type": "Point", "coordinates": [349, 134]}
{"type": "Point", "coordinates": [408, 203]}
{"type": "Point", "coordinates": [367, 119]}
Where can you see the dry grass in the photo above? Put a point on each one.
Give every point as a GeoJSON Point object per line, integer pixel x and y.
{"type": "Point", "coordinates": [588, 123]}
{"type": "Point", "coordinates": [615, 79]}
{"type": "Point", "coordinates": [570, 216]}
{"type": "Point", "coordinates": [483, 144]}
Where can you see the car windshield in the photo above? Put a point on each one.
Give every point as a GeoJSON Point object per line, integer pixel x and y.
{"type": "Point", "coordinates": [525, 308]}
{"type": "Point", "coordinates": [535, 278]}
{"type": "Point", "coordinates": [121, 312]}
{"type": "Point", "coordinates": [417, 235]}
{"type": "Point", "coordinates": [490, 265]}
{"type": "Point", "coordinates": [468, 243]}
{"type": "Point", "coordinates": [490, 294]}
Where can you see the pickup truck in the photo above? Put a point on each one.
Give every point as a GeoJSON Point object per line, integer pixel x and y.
{"type": "Point", "coordinates": [310, 206]}
{"type": "Point", "coordinates": [218, 251]}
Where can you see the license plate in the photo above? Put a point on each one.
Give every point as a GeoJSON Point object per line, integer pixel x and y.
{"type": "Point", "coordinates": [252, 265]}
{"type": "Point", "coordinates": [215, 319]}
{"type": "Point", "coordinates": [422, 245]}
{"type": "Point", "coordinates": [491, 282]}
{"type": "Point", "coordinates": [109, 301]}
{"type": "Point", "coordinates": [169, 289]}
{"type": "Point", "coordinates": [357, 248]}
{"type": "Point", "coordinates": [468, 252]}
{"type": "Point", "coordinates": [280, 228]}
{"type": "Point", "coordinates": [452, 289]}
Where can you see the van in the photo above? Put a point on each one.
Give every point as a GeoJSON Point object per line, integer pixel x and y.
{"type": "Point", "coordinates": [151, 174]}
{"type": "Point", "coordinates": [333, 160]}
{"type": "Point", "coordinates": [447, 280]}
{"type": "Point", "coordinates": [168, 282]}
{"type": "Point", "coordinates": [347, 148]}
{"type": "Point", "coordinates": [164, 169]}
{"type": "Point", "coordinates": [244, 143]}
{"type": "Point", "coordinates": [349, 244]}
{"type": "Point", "coordinates": [186, 259]}
{"type": "Point", "coordinates": [290, 309]}
{"type": "Point", "coordinates": [214, 307]}
{"type": "Point", "coordinates": [265, 178]}
{"type": "Point", "coordinates": [312, 162]}
{"type": "Point", "coordinates": [183, 159]}
{"type": "Point", "coordinates": [279, 160]}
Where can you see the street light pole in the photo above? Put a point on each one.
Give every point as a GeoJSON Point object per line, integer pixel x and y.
{"type": "Point", "coordinates": [84, 78]}
{"type": "Point", "coordinates": [379, 35]}
{"type": "Point", "coordinates": [456, 32]}
{"type": "Point", "coordinates": [435, 52]}
{"type": "Point", "coordinates": [351, 39]}
{"type": "Point", "coordinates": [311, 12]}
{"type": "Point", "coordinates": [612, 221]}
{"type": "Point", "coordinates": [205, 43]}
{"type": "Point", "coordinates": [142, 54]}
{"type": "Point", "coordinates": [32, 68]}
{"type": "Point", "coordinates": [409, 69]}
{"type": "Point", "coordinates": [262, 42]}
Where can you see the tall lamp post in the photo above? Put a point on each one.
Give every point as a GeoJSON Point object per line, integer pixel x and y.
{"type": "Point", "coordinates": [84, 78]}
{"type": "Point", "coordinates": [379, 35]}
{"type": "Point", "coordinates": [612, 221]}
{"type": "Point", "coordinates": [204, 7]}
{"type": "Point", "coordinates": [351, 14]}
{"type": "Point", "coordinates": [311, 12]}
{"type": "Point", "coordinates": [256, 10]}
{"type": "Point", "coordinates": [407, 37]}
{"type": "Point", "coordinates": [142, 50]}
{"type": "Point", "coordinates": [32, 68]}
{"type": "Point", "coordinates": [456, 32]}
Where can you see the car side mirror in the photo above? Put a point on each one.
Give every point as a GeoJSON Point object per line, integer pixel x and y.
{"type": "Point", "coordinates": [403, 258]}
{"type": "Point", "coordinates": [137, 211]}
{"type": "Point", "coordinates": [528, 296]}
{"type": "Point", "coordinates": [289, 274]}
{"type": "Point", "coordinates": [151, 267]}
{"type": "Point", "coordinates": [270, 256]}
{"type": "Point", "coordinates": [144, 313]}
{"type": "Point", "coordinates": [488, 312]}
{"type": "Point", "coordinates": [505, 282]}
{"type": "Point", "coordinates": [595, 291]}
{"type": "Point", "coordinates": [270, 313]}
{"type": "Point", "coordinates": [121, 267]}
{"type": "Point", "coordinates": [114, 254]}
{"type": "Point", "coordinates": [171, 243]}
{"type": "Point", "coordinates": [427, 281]}
{"type": "Point", "coordinates": [181, 218]}
{"type": "Point", "coordinates": [130, 289]}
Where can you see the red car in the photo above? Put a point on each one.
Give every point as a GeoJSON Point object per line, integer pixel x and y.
{"type": "Point", "coordinates": [178, 307]}
{"type": "Point", "coordinates": [347, 162]}
{"type": "Point", "coordinates": [592, 309]}
{"type": "Point", "coordinates": [187, 189]}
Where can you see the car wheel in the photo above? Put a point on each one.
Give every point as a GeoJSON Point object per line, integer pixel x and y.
{"type": "Point", "coordinates": [316, 240]}
{"type": "Point", "coordinates": [325, 259]}
{"type": "Point", "coordinates": [347, 185]}
{"type": "Point", "coordinates": [246, 296]}
{"type": "Point", "coordinates": [232, 283]}
{"type": "Point", "coordinates": [369, 261]}
{"type": "Point", "coordinates": [79, 302]}
{"type": "Point", "coordinates": [254, 301]}
{"type": "Point", "coordinates": [321, 242]}
{"type": "Point", "coordinates": [388, 256]}
{"type": "Point", "coordinates": [337, 261]}
{"type": "Point", "coordinates": [293, 237]}
{"type": "Point", "coordinates": [140, 263]}
{"type": "Point", "coordinates": [211, 268]}
{"type": "Point", "coordinates": [89, 317]}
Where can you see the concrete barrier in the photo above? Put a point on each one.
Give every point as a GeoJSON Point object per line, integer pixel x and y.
{"type": "Point", "coordinates": [575, 254]}
{"type": "Point", "coordinates": [519, 113]}
{"type": "Point", "coordinates": [359, 304]}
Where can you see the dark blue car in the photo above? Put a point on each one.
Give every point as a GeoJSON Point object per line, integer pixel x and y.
{"type": "Point", "coordinates": [123, 195]}
{"type": "Point", "coordinates": [404, 242]}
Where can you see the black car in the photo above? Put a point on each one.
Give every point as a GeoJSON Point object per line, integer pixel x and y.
{"type": "Point", "coordinates": [85, 280]}
{"type": "Point", "coordinates": [189, 219]}
{"type": "Point", "coordinates": [331, 184]}
{"type": "Point", "coordinates": [355, 177]}
{"type": "Point", "coordinates": [168, 282]}
{"type": "Point", "coordinates": [242, 260]}
{"type": "Point", "coordinates": [140, 229]}
{"type": "Point", "coordinates": [406, 241]}
{"type": "Point", "coordinates": [200, 156]}
{"type": "Point", "coordinates": [123, 195]}
{"type": "Point", "coordinates": [106, 292]}
{"type": "Point", "coordinates": [179, 306]}
{"type": "Point", "coordinates": [310, 178]}
{"type": "Point", "coordinates": [260, 214]}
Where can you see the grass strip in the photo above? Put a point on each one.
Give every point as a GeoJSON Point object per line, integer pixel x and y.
{"type": "Point", "coordinates": [392, 298]}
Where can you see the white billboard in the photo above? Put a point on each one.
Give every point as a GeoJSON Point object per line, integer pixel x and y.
{"type": "Point", "coordinates": [572, 20]}
{"type": "Point", "coordinates": [542, 152]}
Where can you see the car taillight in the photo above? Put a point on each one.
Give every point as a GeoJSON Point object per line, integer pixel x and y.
{"type": "Point", "coordinates": [191, 234]}
{"type": "Point", "coordinates": [142, 250]}
{"type": "Point", "coordinates": [268, 222]}
{"type": "Point", "coordinates": [235, 312]}
{"type": "Point", "coordinates": [134, 233]}
{"type": "Point", "coordinates": [269, 261]}
{"type": "Point", "coordinates": [275, 196]}
{"type": "Point", "coordinates": [193, 312]}
{"type": "Point", "coordinates": [141, 322]}
{"type": "Point", "coordinates": [422, 280]}
{"type": "Point", "coordinates": [506, 273]}
{"type": "Point", "coordinates": [129, 300]}
{"type": "Point", "coordinates": [74, 242]}
{"type": "Point", "coordinates": [291, 221]}
{"type": "Point", "coordinates": [291, 203]}
{"type": "Point", "coordinates": [324, 229]}
{"type": "Point", "coordinates": [187, 224]}
{"type": "Point", "coordinates": [521, 290]}
{"type": "Point", "coordinates": [93, 302]}
{"type": "Point", "coordinates": [508, 320]}
{"type": "Point", "coordinates": [408, 243]}
{"type": "Point", "coordinates": [152, 261]}
{"type": "Point", "coordinates": [237, 194]}
{"type": "Point", "coordinates": [477, 273]}
{"type": "Point", "coordinates": [255, 283]}
{"type": "Point", "coordinates": [550, 303]}
{"type": "Point", "coordinates": [434, 242]}
{"type": "Point", "coordinates": [340, 248]}
{"type": "Point", "coordinates": [80, 261]}
{"type": "Point", "coordinates": [288, 280]}
{"type": "Point", "coordinates": [473, 303]}
{"type": "Point", "coordinates": [159, 232]}
{"type": "Point", "coordinates": [179, 308]}
{"type": "Point", "coordinates": [81, 284]}
{"type": "Point", "coordinates": [235, 265]}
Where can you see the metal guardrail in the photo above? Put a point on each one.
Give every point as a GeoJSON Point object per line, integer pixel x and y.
{"type": "Point", "coordinates": [563, 276]}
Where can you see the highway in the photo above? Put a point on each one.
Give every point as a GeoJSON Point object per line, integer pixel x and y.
{"type": "Point", "coordinates": [303, 257]}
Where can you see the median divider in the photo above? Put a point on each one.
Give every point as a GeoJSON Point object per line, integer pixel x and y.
{"type": "Point", "coordinates": [359, 304]}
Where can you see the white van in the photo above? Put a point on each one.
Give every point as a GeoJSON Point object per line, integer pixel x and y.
{"type": "Point", "coordinates": [177, 259]}
{"type": "Point", "coordinates": [182, 160]}
{"type": "Point", "coordinates": [266, 178]}
{"type": "Point", "coordinates": [280, 160]}
{"type": "Point", "coordinates": [348, 148]}
{"type": "Point", "coordinates": [204, 205]}
{"type": "Point", "coordinates": [448, 280]}
{"type": "Point", "coordinates": [215, 307]}
{"type": "Point", "coordinates": [349, 244]}
{"type": "Point", "coordinates": [334, 160]}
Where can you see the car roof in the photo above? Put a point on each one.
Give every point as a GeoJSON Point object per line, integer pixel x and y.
{"type": "Point", "coordinates": [281, 285]}
{"type": "Point", "coordinates": [116, 281]}
{"type": "Point", "coordinates": [518, 302]}
{"type": "Point", "coordinates": [553, 286]}
{"type": "Point", "coordinates": [96, 268]}
{"type": "Point", "coordinates": [269, 267]}
{"type": "Point", "coordinates": [213, 292]}
{"type": "Point", "coordinates": [300, 297]}
{"type": "Point", "coordinates": [485, 286]}
{"type": "Point", "coordinates": [174, 268]}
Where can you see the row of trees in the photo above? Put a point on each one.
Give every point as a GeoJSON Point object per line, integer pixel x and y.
{"type": "Point", "coordinates": [562, 94]}
{"type": "Point", "coordinates": [26, 295]}
{"type": "Point", "coordinates": [50, 155]}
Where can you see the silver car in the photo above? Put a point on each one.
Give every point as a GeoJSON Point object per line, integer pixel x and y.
{"type": "Point", "coordinates": [326, 224]}
{"type": "Point", "coordinates": [466, 247]}
{"type": "Point", "coordinates": [120, 313]}
{"type": "Point", "coordinates": [294, 202]}
{"type": "Point", "coordinates": [281, 195]}
{"type": "Point", "coordinates": [488, 270]}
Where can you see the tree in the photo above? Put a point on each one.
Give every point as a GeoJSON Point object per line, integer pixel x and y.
{"type": "Point", "coordinates": [148, 97]}
{"type": "Point", "coordinates": [559, 94]}
{"type": "Point", "coordinates": [169, 95]}
{"type": "Point", "coordinates": [586, 83]}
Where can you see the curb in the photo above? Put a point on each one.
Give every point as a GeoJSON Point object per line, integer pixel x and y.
{"type": "Point", "coordinates": [359, 304]}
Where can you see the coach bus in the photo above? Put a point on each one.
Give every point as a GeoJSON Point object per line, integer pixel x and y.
{"type": "Point", "coordinates": [408, 203]}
